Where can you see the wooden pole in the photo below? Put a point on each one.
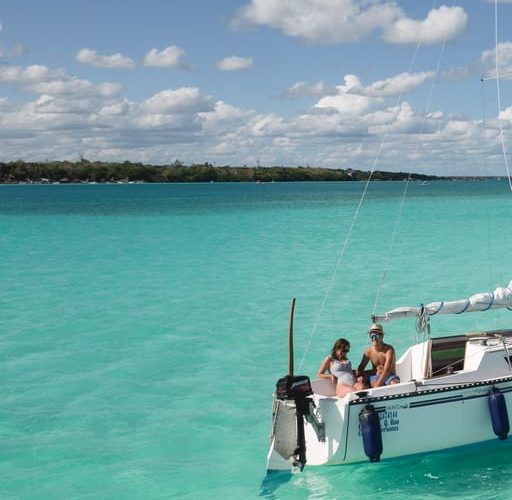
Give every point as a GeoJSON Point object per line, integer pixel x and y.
{"type": "Point", "coordinates": [290, 340]}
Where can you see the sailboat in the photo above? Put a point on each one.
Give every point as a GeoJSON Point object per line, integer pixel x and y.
{"type": "Point", "coordinates": [454, 391]}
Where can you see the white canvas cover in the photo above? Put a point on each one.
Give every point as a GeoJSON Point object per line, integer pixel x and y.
{"type": "Point", "coordinates": [501, 297]}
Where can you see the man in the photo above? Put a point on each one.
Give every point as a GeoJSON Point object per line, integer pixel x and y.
{"type": "Point", "coordinates": [382, 357]}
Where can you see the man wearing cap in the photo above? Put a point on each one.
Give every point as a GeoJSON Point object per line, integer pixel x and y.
{"type": "Point", "coordinates": [382, 357]}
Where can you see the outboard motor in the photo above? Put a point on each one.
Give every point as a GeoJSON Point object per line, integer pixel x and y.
{"type": "Point", "coordinates": [499, 414]}
{"type": "Point", "coordinates": [292, 394]}
{"type": "Point", "coordinates": [297, 388]}
{"type": "Point", "coordinates": [371, 432]}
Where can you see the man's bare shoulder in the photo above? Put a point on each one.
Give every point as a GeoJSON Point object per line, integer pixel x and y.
{"type": "Point", "coordinates": [388, 350]}
{"type": "Point", "coordinates": [368, 351]}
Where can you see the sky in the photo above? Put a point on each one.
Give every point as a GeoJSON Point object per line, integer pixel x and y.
{"type": "Point", "coordinates": [362, 84]}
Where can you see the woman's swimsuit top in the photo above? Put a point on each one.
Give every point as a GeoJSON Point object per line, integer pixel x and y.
{"type": "Point", "coordinates": [338, 368]}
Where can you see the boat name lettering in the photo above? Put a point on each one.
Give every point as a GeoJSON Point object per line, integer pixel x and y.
{"type": "Point", "coordinates": [398, 406]}
{"type": "Point", "coordinates": [389, 421]}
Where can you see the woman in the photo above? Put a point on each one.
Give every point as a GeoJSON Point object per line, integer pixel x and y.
{"type": "Point", "coordinates": [338, 369]}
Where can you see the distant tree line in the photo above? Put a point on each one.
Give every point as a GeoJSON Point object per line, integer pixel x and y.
{"type": "Point", "coordinates": [87, 171]}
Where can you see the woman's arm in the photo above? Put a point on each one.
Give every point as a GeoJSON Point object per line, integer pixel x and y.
{"type": "Point", "coordinates": [323, 369]}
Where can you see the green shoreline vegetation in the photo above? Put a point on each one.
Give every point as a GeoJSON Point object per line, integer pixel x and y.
{"type": "Point", "coordinates": [85, 171]}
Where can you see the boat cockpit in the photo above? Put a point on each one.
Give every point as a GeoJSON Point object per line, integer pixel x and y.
{"type": "Point", "coordinates": [465, 358]}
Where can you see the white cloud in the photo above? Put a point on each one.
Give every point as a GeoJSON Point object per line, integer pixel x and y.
{"type": "Point", "coordinates": [345, 21]}
{"type": "Point", "coordinates": [318, 21]}
{"type": "Point", "coordinates": [116, 61]}
{"type": "Point", "coordinates": [224, 115]}
{"type": "Point", "coordinates": [444, 23]}
{"type": "Point", "coordinates": [488, 60]}
{"type": "Point", "coordinates": [47, 105]}
{"type": "Point", "coordinates": [170, 57]}
{"type": "Point", "coordinates": [303, 89]}
{"type": "Point", "coordinates": [355, 102]}
{"type": "Point", "coordinates": [183, 125]}
{"type": "Point", "coordinates": [31, 74]}
{"type": "Point", "coordinates": [16, 50]}
{"type": "Point", "coordinates": [235, 63]}
{"type": "Point", "coordinates": [182, 100]}
{"type": "Point", "coordinates": [394, 86]}
{"type": "Point", "coordinates": [458, 73]}
{"type": "Point", "coordinates": [75, 86]}
{"type": "Point", "coordinates": [40, 80]}
{"type": "Point", "coordinates": [346, 102]}
{"type": "Point", "coordinates": [117, 109]}
{"type": "Point", "coordinates": [71, 114]}
{"type": "Point", "coordinates": [506, 114]}
{"type": "Point", "coordinates": [46, 116]}
{"type": "Point", "coordinates": [399, 119]}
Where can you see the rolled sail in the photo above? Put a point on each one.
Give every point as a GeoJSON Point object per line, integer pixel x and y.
{"type": "Point", "coordinates": [500, 298]}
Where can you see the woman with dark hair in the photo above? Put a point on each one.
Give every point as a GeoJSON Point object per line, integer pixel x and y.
{"type": "Point", "coordinates": [338, 369]}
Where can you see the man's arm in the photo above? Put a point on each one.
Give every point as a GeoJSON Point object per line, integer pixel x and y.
{"type": "Point", "coordinates": [362, 364]}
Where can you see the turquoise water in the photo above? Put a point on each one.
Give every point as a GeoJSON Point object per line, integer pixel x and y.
{"type": "Point", "coordinates": [143, 328]}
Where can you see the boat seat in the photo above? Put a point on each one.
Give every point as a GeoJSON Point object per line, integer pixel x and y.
{"type": "Point", "coordinates": [323, 387]}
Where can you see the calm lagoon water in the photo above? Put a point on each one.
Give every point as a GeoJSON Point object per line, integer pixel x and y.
{"type": "Point", "coordinates": [143, 328]}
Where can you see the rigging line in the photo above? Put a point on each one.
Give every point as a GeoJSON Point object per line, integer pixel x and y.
{"type": "Point", "coordinates": [354, 218]}
{"type": "Point", "coordinates": [498, 92]}
{"type": "Point", "coordinates": [486, 165]}
{"type": "Point", "coordinates": [406, 187]}
{"type": "Point", "coordinates": [498, 95]}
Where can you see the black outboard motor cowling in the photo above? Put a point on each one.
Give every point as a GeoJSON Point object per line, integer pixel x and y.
{"type": "Point", "coordinates": [293, 387]}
